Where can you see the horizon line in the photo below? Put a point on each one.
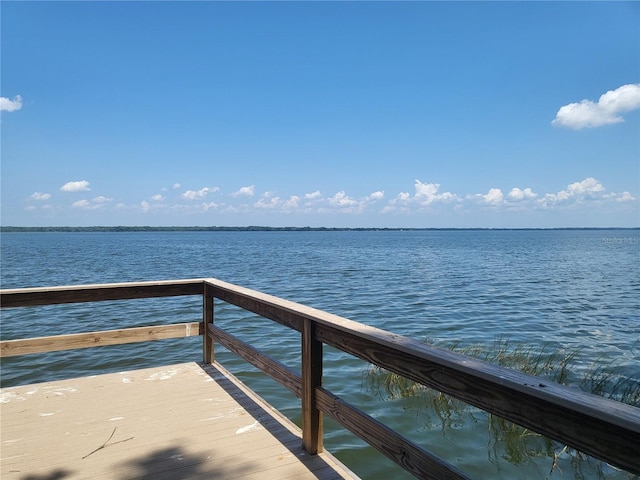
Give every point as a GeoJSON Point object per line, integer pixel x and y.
{"type": "Point", "coordinates": [148, 228]}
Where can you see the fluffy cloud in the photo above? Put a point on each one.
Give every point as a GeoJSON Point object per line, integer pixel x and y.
{"type": "Point", "coordinates": [589, 188]}
{"type": "Point", "coordinates": [341, 199]}
{"type": "Point", "coordinates": [93, 204]}
{"type": "Point", "coordinates": [313, 196]}
{"type": "Point", "coordinates": [269, 202]}
{"type": "Point", "coordinates": [427, 193]}
{"type": "Point", "coordinates": [40, 196]}
{"type": "Point", "coordinates": [517, 195]}
{"type": "Point", "coordinates": [80, 186]}
{"type": "Point", "coordinates": [245, 191]}
{"type": "Point", "coordinates": [494, 196]}
{"type": "Point", "coordinates": [157, 198]}
{"type": "Point", "coordinates": [203, 192]}
{"type": "Point", "coordinates": [8, 105]}
{"type": "Point", "coordinates": [625, 197]}
{"type": "Point", "coordinates": [607, 110]}
{"type": "Point", "coordinates": [379, 195]}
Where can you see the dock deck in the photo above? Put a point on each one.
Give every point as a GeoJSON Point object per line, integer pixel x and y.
{"type": "Point", "coordinates": [189, 420]}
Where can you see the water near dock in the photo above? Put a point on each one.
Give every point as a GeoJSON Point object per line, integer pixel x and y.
{"type": "Point", "coordinates": [575, 290]}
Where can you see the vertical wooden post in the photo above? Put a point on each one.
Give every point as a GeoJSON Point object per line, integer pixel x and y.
{"type": "Point", "coordinates": [311, 378]}
{"type": "Point", "coordinates": [207, 319]}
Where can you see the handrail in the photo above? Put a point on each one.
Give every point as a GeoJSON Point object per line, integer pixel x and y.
{"type": "Point", "coordinates": [603, 428]}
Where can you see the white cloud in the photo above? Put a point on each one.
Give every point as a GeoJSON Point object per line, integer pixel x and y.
{"type": "Point", "coordinates": [607, 111]}
{"type": "Point", "coordinates": [341, 199]}
{"type": "Point", "coordinates": [203, 192]}
{"type": "Point", "coordinates": [516, 194]}
{"type": "Point", "coordinates": [245, 191]}
{"type": "Point", "coordinates": [589, 188]}
{"type": "Point", "coordinates": [176, 186]}
{"type": "Point", "coordinates": [427, 193]}
{"type": "Point", "coordinates": [80, 186]}
{"type": "Point", "coordinates": [157, 198]}
{"type": "Point", "coordinates": [625, 197]}
{"type": "Point", "coordinates": [494, 196]}
{"type": "Point", "coordinates": [145, 206]}
{"type": "Point", "coordinates": [313, 196]}
{"type": "Point", "coordinates": [81, 204]}
{"type": "Point", "coordinates": [40, 196]}
{"type": "Point", "coordinates": [93, 204]}
{"type": "Point", "coordinates": [207, 206]}
{"type": "Point", "coordinates": [293, 202]}
{"type": "Point", "coordinates": [8, 105]}
{"type": "Point", "coordinates": [379, 195]}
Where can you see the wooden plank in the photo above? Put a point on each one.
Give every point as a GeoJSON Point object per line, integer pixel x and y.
{"type": "Point", "coordinates": [208, 354]}
{"type": "Point", "coordinates": [25, 297]}
{"type": "Point", "coordinates": [262, 304]}
{"type": "Point", "coordinates": [311, 379]}
{"type": "Point", "coordinates": [10, 348]}
{"type": "Point", "coordinates": [141, 424]}
{"type": "Point", "coordinates": [276, 370]}
{"type": "Point", "coordinates": [603, 428]}
{"type": "Point", "coordinates": [411, 457]}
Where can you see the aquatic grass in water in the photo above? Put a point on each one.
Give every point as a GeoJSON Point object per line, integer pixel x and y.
{"type": "Point", "coordinates": [507, 440]}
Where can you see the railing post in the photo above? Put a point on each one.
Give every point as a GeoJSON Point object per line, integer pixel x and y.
{"type": "Point", "coordinates": [207, 319]}
{"type": "Point", "coordinates": [311, 378]}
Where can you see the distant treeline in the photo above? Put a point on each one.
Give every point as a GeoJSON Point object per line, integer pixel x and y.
{"type": "Point", "coordinates": [264, 229]}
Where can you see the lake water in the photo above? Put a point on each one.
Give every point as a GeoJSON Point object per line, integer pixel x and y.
{"type": "Point", "coordinates": [574, 290]}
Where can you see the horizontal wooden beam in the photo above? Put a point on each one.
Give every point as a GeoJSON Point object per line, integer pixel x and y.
{"type": "Point", "coordinates": [404, 452]}
{"type": "Point", "coordinates": [27, 297]}
{"type": "Point", "coordinates": [259, 303]}
{"type": "Point", "coordinates": [603, 428]}
{"type": "Point", "coordinates": [10, 348]}
{"type": "Point", "coordinates": [276, 370]}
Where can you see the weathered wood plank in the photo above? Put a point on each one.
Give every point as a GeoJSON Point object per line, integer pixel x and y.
{"type": "Point", "coordinates": [311, 378]}
{"type": "Point", "coordinates": [276, 370]}
{"type": "Point", "coordinates": [25, 297]}
{"type": "Point", "coordinates": [597, 426]}
{"type": "Point", "coordinates": [10, 348]}
{"type": "Point", "coordinates": [208, 354]}
{"type": "Point", "coordinates": [265, 305]}
{"type": "Point", "coordinates": [404, 452]}
{"type": "Point", "coordinates": [105, 427]}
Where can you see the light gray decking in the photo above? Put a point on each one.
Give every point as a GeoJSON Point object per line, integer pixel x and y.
{"type": "Point", "coordinates": [179, 421]}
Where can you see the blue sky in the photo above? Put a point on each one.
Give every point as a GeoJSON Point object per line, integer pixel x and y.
{"type": "Point", "coordinates": [337, 114]}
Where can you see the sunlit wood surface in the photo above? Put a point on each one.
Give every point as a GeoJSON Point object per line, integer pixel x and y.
{"type": "Point", "coordinates": [179, 421]}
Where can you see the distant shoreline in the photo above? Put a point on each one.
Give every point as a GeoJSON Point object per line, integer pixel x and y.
{"type": "Point", "coordinates": [8, 229]}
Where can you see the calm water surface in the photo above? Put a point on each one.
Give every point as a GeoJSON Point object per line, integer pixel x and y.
{"type": "Point", "coordinates": [575, 290]}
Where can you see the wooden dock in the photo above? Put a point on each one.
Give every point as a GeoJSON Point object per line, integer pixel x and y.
{"type": "Point", "coordinates": [182, 421]}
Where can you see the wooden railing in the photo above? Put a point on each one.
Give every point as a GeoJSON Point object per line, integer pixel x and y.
{"type": "Point", "coordinates": [603, 428]}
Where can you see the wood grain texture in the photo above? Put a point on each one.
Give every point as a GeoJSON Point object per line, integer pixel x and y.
{"type": "Point", "coordinates": [276, 370]}
{"type": "Point", "coordinates": [25, 297]}
{"type": "Point", "coordinates": [184, 421]}
{"type": "Point", "coordinates": [414, 459]}
{"type": "Point", "coordinates": [603, 428]}
{"type": "Point", "coordinates": [11, 348]}
{"type": "Point", "coordinates": [208, 353]}
{"type": "Point", "coordinates": [311, 379]}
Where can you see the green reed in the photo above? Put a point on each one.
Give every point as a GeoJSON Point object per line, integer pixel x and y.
{"type": "Point", "coordinates": [506, 440]}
